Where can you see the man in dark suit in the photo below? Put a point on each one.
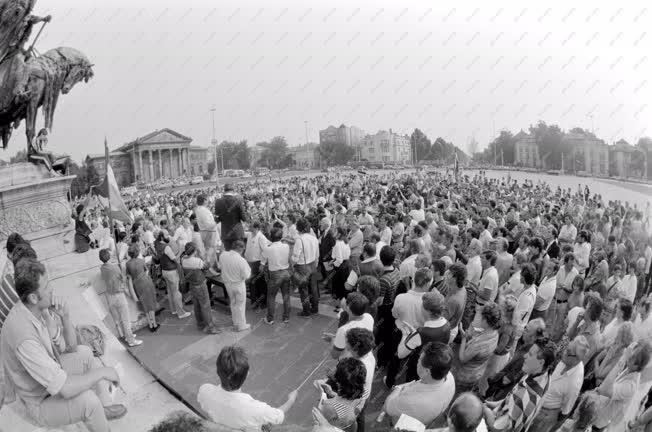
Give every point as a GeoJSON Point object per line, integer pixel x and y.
{"type": "Point", "coordinates": [553, 248]}
{"type": "Point", "coordinates": [326, 243]}
{"type": "Point", "coordinates": [230, 212]}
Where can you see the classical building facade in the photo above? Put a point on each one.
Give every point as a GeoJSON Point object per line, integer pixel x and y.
{"type": "Point", "coordinates": [385, 146]}
{"type": "Point", "coordinates": [588, 154]}
{"type": "Point", "coordinates": [160, 154]}
{"type": "Point", "coordinates": [621, 155]}
{"type": "Point", "coordinates": [526, 151]}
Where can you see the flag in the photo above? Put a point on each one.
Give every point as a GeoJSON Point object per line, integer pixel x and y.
{"type": "Point", "coordinates": [109, 188]}
{"type": "Point", "coordinates": [457, 164]}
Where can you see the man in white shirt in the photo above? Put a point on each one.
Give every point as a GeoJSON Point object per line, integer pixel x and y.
{"type": "Point", "coordinates": [206, 222]}
{"type": "Point", "coordinates": [235, 272]}
{"type": "Point", "coordinates": [546, 292]}
{"type": "Point", "coordinates": [256, 243]}
{"type": "Point", "coordinates": [407, 267]}
{"type": "Point", "coordinates": [488, 286]}
{"type": "Point", "coordinates": [514, 286]}
{"type": "Point", "coordinates": [356, 305]}
{"type": "Point", "coordinates": [526, 301]}
{"type": "Point", "coordinates": [427, 398]}
{"type": "Point", "coordinates": [474, 265]}
{"type": "Point", "coordinates": [568, 232]}
{"type": "Point", "coordinates": [563, 389]}
{"type": "Point", "coordinates": [485, 235]}
{"type": "Point", "coordinates": [407, 307]}
{"type": "Point", "coordinates": [228, 406]}
{"type": "Point", "coordinates": [305, 254]}
{"type": "Point", "coordinates": [277, 259]}
{"type": "Point", "coordinates": [385, 231]}
{"type": "Point", "coordinates": [505, 260]}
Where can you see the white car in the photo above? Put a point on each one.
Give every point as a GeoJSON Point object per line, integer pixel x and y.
{"type": "Point", "coordinates": [197, 180]}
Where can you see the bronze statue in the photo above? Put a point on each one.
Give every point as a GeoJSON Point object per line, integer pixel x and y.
{"type": "Point", "coordinates": [28, 81]}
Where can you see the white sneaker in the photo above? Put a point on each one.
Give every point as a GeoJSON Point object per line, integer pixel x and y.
{"type": "Point", "coordinates": [136, 342]}
{"type": "Point", "coordinates": [184, 315]}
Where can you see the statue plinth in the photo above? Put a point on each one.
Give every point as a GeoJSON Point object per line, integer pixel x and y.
{"type": "Point", "coordinates": [33, 202]}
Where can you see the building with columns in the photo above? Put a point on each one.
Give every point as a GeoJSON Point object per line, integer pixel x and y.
{"type": "Point", "coordinates": [160, 154]}
{"type": "Point", "coordinates": [385, 146]}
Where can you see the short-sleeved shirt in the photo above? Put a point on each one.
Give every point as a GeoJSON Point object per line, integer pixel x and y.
{"type": "Point", "coordinates": [480, 348]}
{"type": "Point", "coordinates": [365, 322]}
{"type": "Point", "coordinates": [29, 360]}
{"type": "Point", "coordinates": [237, 410]}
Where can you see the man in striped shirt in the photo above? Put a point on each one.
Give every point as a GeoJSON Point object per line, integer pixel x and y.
{"type": "Point", "coordinates": [388, 283]}
{"type": "Point", "coordinates": [516, 412]}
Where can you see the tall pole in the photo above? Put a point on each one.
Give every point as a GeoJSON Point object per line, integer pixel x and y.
{"type": "Point", "coordinates": [214, 143]}
{"type": "Point", "coordinates": [305, 123]}
{"type": "Point", "coordinates": [108, 196]}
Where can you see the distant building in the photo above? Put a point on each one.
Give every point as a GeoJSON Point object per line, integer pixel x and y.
{"type": "Point", "coordinates": [386, 146]}
{"type": "Point", "coordinates": [160, 154]}
{"type": "Point", "coordinates": [588, 154]}
{"type": "Point", "coordinates": [305, 156]}
{"type": "Point", "coordinates": [349, 135]}
{"type": "Point", "coordinates": [255, 153]}
{"type": "Point", "coordinates": [621, 155]}
{"type": "Point", "coordinates": [526, 151]}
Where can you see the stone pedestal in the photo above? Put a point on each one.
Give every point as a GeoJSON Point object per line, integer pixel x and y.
{"type": "Point", "coordinates": [33, 202]}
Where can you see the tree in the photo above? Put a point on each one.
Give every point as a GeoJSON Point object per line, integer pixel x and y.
{"type": "Point", "coordinates": [236, 155]}
{"type": "Point", "coordinates": [645, 145]}
{"type": "Point", "coordinates": [420, 144]}
{"type": "Point", "coordinates": [549, 139]}
{"type": "Point", "coordinates": [275, 153]}
{"type": "Point", "coordinates": [335, 153]}
{"type": "Point", "coordinates": [92, 176]}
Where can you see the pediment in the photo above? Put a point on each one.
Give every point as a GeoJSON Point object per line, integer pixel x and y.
{"type": "Point", "coordinates": [164, 136]}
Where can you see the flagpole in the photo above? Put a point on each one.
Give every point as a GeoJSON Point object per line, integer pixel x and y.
{"type": "Point", "coordinates": [108, 189]}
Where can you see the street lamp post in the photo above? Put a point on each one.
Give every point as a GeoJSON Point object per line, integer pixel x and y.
{"type": "Point", "coordinates": [214, 143]}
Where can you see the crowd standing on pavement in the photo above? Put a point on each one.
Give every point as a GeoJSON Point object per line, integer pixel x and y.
{"type": "Point", "coordinates": [484, 304]}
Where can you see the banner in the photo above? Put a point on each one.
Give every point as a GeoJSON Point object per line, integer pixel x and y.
{"type": "Point", "coordinates": [109, 187]}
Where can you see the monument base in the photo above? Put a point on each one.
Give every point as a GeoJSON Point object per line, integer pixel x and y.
{"type": "Point", "coordinates": [33, 202]}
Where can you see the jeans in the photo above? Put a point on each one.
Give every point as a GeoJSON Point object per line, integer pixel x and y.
{"type": "Point", "coordinates": [171, 278]}
{"type": "Point", "coordinates": [308, 291]}
{"type": "Point", "coordinates": [55, 411]}
{"type": "Point", "coordinates": [237, 300]}
{"type": "Point", "coordinates": [120, 314]}
{"type": "Point", "coordinates": [279, 279]}
{"type": "Point", "coordinates": [202, 306]}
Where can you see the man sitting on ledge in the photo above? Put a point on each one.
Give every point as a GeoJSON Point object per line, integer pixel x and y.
{"type": "Point", "coordinates": [50, 373]}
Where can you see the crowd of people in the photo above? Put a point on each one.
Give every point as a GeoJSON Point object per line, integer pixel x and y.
{"type": "Point", "coordinates": [484, 304]}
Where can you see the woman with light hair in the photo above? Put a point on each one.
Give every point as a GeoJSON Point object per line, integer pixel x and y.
{"type": "Point", "coordinates": [606, 359]}
{"type": "Point", "coordinates": [506, 340]}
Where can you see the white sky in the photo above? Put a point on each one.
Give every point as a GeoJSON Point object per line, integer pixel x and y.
{"type": "Point", "coordinates": [453, 69]}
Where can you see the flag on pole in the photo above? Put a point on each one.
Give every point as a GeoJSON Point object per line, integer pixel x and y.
{"type": "Point", "coordinates": [108, 194]}
{"type": "Point", "coordinates": [457, 164]}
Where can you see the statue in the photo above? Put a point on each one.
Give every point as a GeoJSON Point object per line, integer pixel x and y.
{"type": "Point", "coordinates": [28, 81]}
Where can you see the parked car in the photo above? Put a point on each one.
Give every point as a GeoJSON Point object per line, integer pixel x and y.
{"type": "Point", "coordinates": [197, 180]}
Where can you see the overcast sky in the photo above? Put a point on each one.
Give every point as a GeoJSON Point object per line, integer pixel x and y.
{"type": "Point", "coordinates": [452, 69]}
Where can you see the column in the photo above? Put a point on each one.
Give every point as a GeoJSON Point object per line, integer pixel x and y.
{"type": "Point", "coordinates": [187, 156]}
{"type": "Point", "coordinates": [151, 165]}
{"type": "Point", "coordinates": [140, 166]}
{"type": "Point", "coordinates": [179, 162]}
{"type": "Point", "coordinates": [160, 164]}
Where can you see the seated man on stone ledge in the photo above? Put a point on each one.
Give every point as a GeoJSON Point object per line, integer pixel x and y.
{"type": "Point", "coordinates": [37, 154]}
{"type": "Point", "coordinates": [50, 373]}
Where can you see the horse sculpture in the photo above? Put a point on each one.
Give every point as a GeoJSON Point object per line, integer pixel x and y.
{"type": "Point", "coordinates": [29, 81]}
{"type": "Point", "coordinates": [56, 71]}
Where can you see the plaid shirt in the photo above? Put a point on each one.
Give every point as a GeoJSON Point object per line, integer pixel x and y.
{"type": "Point", "coordinates": [516, 412]}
